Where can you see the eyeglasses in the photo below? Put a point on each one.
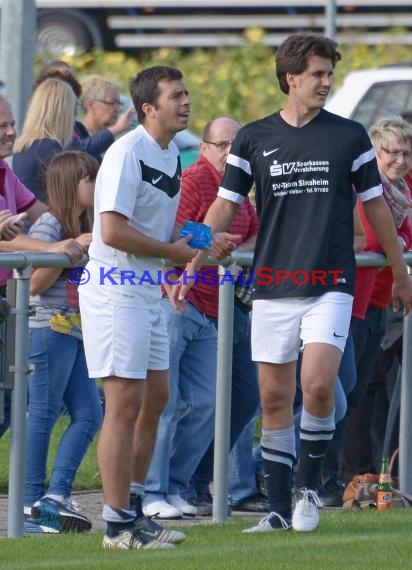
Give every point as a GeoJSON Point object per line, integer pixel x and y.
{"type": "Point", "coordinates": [114, 103]}
{"type": "Point", "coordinates": [221, 145]}
{"type": "Point", "coordinates": [395, 153]}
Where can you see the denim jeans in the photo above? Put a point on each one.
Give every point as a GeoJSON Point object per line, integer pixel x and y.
{"type": "Point", "coordinates": [60, 379]}
{"type": "Point", "coordinates": [186, 428]}
{"type": "Point", "coordinates": [244, 404]}
{"type": "Point", "coordinates": [242, 471]}
{"type": "Point", "coordinates": [192, 377]}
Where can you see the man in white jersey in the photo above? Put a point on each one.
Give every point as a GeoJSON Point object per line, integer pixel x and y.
{"type": "Point", "coordinates": [304, 163]}
{"type": "Point", "coordinates": [124, 326]}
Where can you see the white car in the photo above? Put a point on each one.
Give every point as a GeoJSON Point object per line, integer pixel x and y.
{"type": "Point", "coordinates": [369, 95]}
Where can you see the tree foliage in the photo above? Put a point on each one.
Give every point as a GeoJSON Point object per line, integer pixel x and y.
{"type": "Point", "coordinates": [237, 82]}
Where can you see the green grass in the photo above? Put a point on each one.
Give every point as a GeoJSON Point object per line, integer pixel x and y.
{"type": "Point", "coordinates": [343, 540]}
{"type": "Point", "coordinates": [87, 477]}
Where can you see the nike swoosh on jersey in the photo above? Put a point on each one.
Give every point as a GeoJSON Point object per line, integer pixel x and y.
{"type": "Point", "coordinates": [268, 152]}
{"type": "Point", "coordinates": [338, 335]}
{"type": "Point", "coordinates": [316, 456]}
{"type": "Point", "coordinates": [156, 180]}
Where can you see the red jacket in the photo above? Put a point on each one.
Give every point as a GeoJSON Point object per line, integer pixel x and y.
{"type": "Point", "coordinates": [377, 290]}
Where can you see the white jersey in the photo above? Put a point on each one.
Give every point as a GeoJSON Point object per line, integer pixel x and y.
{"type": "Point", "coordinates": [141, 181]}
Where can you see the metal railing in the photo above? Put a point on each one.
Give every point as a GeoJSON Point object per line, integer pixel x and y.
{"type": "Point", "coordinates": [224, 384]}
{"type": "Point", "coordinates": [20, 368]}
{"type": "Point", "coordinates": [23, 264]}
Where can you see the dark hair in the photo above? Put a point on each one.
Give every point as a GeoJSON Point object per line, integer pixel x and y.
{"type": "Point", "coordinates": [293, 54]}
{"type": "Point", "coordinates": [60, 70]}
{"type": "Point", "coordinates": [144, 88]}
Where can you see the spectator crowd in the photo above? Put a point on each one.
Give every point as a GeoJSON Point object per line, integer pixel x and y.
{"type": "Point", "coordinates": [315, 361]}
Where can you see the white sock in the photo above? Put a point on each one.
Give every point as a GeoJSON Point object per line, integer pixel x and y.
{"type": "Point", "coordinates": [136, 488]}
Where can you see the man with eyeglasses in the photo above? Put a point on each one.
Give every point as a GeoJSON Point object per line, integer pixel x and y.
{"type": "Point", "coordinates": [186, 430]}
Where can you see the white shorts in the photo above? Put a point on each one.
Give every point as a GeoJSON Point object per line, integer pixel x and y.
{"type": "Point", "coordinates": [280, 325]}
{"type": "Point", "coordinates": [121, 339]}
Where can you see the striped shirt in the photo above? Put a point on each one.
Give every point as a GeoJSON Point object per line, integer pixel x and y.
{"type": "Point", "coordinates": [62, 297]}
{"type": "Point", "coordinates": [200, 183]}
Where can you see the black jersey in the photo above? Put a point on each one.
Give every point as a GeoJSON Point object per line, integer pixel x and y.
{"type": "Point", "coordinates": [304, 180]}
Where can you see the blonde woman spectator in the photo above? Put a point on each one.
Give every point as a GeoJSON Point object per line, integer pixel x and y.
{"type": "Point", "coordinates": [95, 142]}
{"type": "Point", "coordinates": [47, 130]}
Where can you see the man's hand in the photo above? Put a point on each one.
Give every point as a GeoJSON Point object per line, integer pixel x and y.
{"type": "Point", "coordinates": [172, 291]}
{"type": "Point", "coordinates": [402, 294]}
{"type": "Point", "coordinates": [10, 227]}
{"type": "Point", "coordinates": [72, 248]}
{"type": "Point", "coordinates": [181, 252]}
{"type": "Point", "coordinates": [174, 298]}
{"type": "Point", "coordinates": [223, 244]}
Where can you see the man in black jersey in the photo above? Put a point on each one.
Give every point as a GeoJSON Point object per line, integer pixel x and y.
{"type": "Point", "coordinates": [304, 163]}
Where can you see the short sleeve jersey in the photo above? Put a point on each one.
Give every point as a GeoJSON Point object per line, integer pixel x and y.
{"type": "Point", "coordinates": [304, 179]}
{"type": "Point", "coordinates": [141, 181]}
{"type": "Point", "coordinates": [14, 196]}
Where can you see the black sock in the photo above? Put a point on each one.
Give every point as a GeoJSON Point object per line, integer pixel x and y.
{"type": "Point", "coordinates": [278, 478]}
{"type": "Point", "coordinates": [310, 463]}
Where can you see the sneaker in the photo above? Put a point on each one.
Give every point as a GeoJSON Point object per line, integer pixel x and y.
{"type": "Point", "coordinates": [186, 506]}
{"type": "Point", "coordinates": [62, 515]}
{"type": "Point", "coordinates": [254, 504]}
{"type": "Point", "coordinates": [161, 509]}
{"type": "Point", "coordinates": [135, 537]}
{"type": "Point", "coordinates": [203, 503]}
{"type": "Point", "coordinates": [273, 521]}
{"type": "Point", "coordinates": [162, 534]}
{"type": "Point", "coordinates": [31, 526]}
{"type": "Point", "coordinates": [306, 514]}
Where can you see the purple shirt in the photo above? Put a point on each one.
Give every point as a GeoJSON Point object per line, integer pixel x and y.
{"type": "Point", "coordinates": [14, 196]}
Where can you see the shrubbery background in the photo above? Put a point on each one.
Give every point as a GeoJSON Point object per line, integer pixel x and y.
{"type": "Point", "coordinates": [236, 82]}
